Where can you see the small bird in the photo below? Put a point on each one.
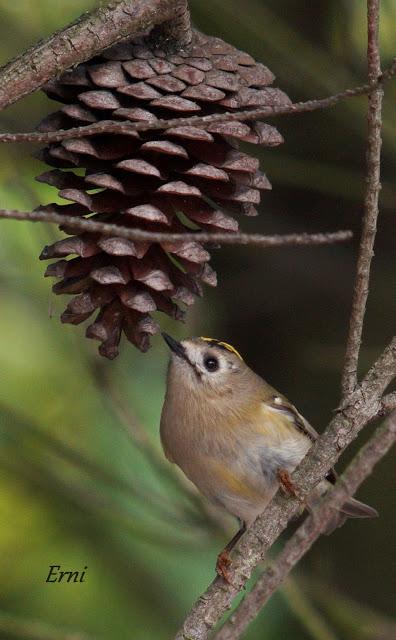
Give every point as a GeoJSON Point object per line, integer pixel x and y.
{"type": "Point", "coordinates": [234, 436]}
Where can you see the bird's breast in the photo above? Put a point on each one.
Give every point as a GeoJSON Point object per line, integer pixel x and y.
{"type": "Point", "coordinates": [235, 461]}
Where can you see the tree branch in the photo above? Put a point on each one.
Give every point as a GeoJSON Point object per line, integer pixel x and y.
{"type": "Point", "coordinates": [175, 33]}
{"type": "Point", "coordinates": [252, 239]}
{"type": "Point", "coordinates": [373, 186]}
{"type": "Point", "coordinates": [359, 469]}
{"type": "Point", "coordinates": [89, 35]}
{"type": "Point", "coordinates": [111, 126]}
{"type": "Point", "coordinates": [363, 406]}
{"type": "Point", "coordinates": [388, 403]}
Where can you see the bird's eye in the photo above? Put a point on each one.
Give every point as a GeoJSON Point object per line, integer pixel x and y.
{"type": "Point", "coordinates": [211, 363]}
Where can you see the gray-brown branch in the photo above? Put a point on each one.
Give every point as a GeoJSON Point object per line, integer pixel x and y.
{"type": "Point", "coordinates": [108, 229]}
{"type": "Point", "coordinates": [388, 403]}
{"type": "Point", "coordinates": [112, 126]}
{"type": "Point", "coordinates": [299, 544]}
{"type": "Point", "coordinates": [370, 217]}
{"type": "Point", "coordinates": [363, 405]}
{"type": "Point", "coordinates": [89, 35]}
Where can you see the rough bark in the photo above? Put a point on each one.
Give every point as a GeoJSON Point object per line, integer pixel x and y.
{"type": "Point", "coordinates": [86, 37]}
{"type": "Point", "coordinates": [359, 469]}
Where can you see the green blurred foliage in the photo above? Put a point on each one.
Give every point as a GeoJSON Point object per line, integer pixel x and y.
{"type": "Point", "coordinates": [74, 488]}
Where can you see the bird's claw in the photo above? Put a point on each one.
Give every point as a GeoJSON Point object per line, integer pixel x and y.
{"type": "Point", "coordinates": [288, 486]}
{"type": "Point", "coordinates": [223, 565]}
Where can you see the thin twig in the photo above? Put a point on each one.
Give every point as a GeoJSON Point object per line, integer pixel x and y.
{"type": "Point", "coordinates": [252, 239]}
{"type": "Point", "coordinates": [83, 39]}
{"type": "Point", "coordinates": [362, 407]}
{"type": "Point", "coordinates": [373, 186]}
{"type": "Point", "coordinates": [110, 126]}
{"type": "Point", "coordinates": [314, 525]}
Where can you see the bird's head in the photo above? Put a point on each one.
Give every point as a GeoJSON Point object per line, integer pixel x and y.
{"type": "Point", "coordinates": [205, 366]}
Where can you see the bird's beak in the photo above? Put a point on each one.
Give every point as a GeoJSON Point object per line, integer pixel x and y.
{"type": "Point", "coordinates": [174, 345]}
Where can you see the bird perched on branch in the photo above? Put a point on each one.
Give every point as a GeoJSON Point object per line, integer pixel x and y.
{"type": "Point", "coordinates": [234, 436]}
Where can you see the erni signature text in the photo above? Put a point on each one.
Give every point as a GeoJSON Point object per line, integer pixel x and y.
{"type": "Point", "coordinates": [56, 575]}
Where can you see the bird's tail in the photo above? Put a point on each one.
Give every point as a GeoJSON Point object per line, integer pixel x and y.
{"type": "Point", "coordinates": [350, 509]}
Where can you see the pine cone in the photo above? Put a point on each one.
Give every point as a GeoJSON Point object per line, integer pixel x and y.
{"type": "Point", "coordinates": [187, 177]}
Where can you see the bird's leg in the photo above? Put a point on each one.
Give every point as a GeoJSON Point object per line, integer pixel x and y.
{"type": "Point", "coordinates": [288, 485]}
{"type": "Point", "coordinates": [224, 559]}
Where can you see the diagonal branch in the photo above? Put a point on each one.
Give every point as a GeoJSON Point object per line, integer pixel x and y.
{"type": "Point", "coordinates": [111, 126]}
{"type": "Point", "coordinates": [252, 239]}
{"type": "Point", "coordinates": [388, 403]}
{"type": "Point", "coordinates": [363, 406]}
{"type": "Point", "coordinates": [90, 34]}
{"type": "Point", "coordinates": [359, 469]}
{"type": "Point", "coordinates": [373, 186]}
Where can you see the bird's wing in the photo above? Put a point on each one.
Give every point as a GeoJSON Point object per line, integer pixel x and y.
{"type": "Point", "coordinates": [281, 404]}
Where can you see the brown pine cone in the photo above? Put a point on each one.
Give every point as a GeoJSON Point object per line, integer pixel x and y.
{"type": "Point", "coordinates": [184, 178]}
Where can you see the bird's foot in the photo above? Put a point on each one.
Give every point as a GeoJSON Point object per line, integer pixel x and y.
{"type": "Point", "coordinates": [288, 486]}
{"type": "Point", "coordinates": [223, 565]}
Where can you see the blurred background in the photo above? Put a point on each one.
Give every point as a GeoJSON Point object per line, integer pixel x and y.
{"type": "Point", "coordinates": [83, 481]}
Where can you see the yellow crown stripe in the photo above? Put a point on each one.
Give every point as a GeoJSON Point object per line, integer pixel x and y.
{"type": "Point", "coordinates": [225, 345]}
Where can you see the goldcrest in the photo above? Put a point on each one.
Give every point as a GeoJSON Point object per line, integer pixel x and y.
{"type": "Point", "coordinates": [233, 435]}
